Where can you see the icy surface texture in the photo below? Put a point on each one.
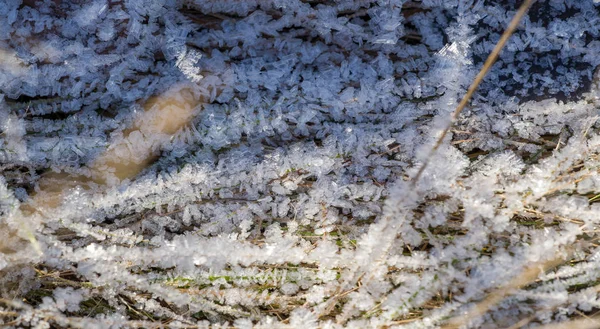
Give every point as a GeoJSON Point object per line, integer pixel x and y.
{"type": "Point", "coordinates": [249, 163]}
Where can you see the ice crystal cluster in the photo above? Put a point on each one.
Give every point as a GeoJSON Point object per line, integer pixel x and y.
{"type": "Point", "coordinates": [283, 196]}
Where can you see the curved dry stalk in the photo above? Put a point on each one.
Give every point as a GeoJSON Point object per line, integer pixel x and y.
{"type": "Point", "coordinates": [126, 157]}
{"type": "Point", "coordinates": [524, 278]}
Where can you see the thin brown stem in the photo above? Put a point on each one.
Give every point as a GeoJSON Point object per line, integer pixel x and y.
{"type": "Point", "coordinates": [476, 82]}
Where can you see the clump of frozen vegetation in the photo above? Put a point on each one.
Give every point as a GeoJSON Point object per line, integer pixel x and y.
{"type": "Point", "coordinates": [286, 199]}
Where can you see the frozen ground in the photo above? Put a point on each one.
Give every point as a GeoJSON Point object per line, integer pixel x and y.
{"type": "Point", "coordinates": [248, 163]}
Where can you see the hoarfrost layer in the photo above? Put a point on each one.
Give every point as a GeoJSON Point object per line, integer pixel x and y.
{"type": "Point", "coordinates": [285, 198]}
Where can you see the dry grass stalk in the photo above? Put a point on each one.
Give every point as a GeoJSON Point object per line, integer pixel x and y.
{"type": "Point", "coordinates": [476, 82]}
{"type": "Point", "coordinates": [526, 277]}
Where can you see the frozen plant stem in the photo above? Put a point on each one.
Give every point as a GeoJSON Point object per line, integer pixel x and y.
{"type": "Point", "coordinates": [473, 87]}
